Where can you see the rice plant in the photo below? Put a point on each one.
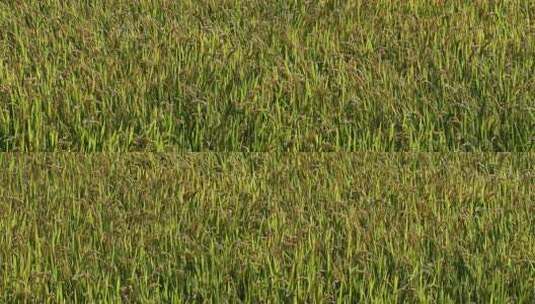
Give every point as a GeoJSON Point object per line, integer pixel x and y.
{"type": "Point", "coordinates": [249, 75]}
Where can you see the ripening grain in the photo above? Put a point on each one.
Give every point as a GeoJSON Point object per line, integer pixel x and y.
{"type": "Point", "coordinates": [237, 75]}
{"type": "Point", "coordinates": [267, 228]}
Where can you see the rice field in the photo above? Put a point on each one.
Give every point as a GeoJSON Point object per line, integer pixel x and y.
{"type": "Point", "coordinates": [281, 151]}
{"type": "Point", "coordinates": [267, 228]}
{"type": "Point", "coordinates": [249, 75]}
